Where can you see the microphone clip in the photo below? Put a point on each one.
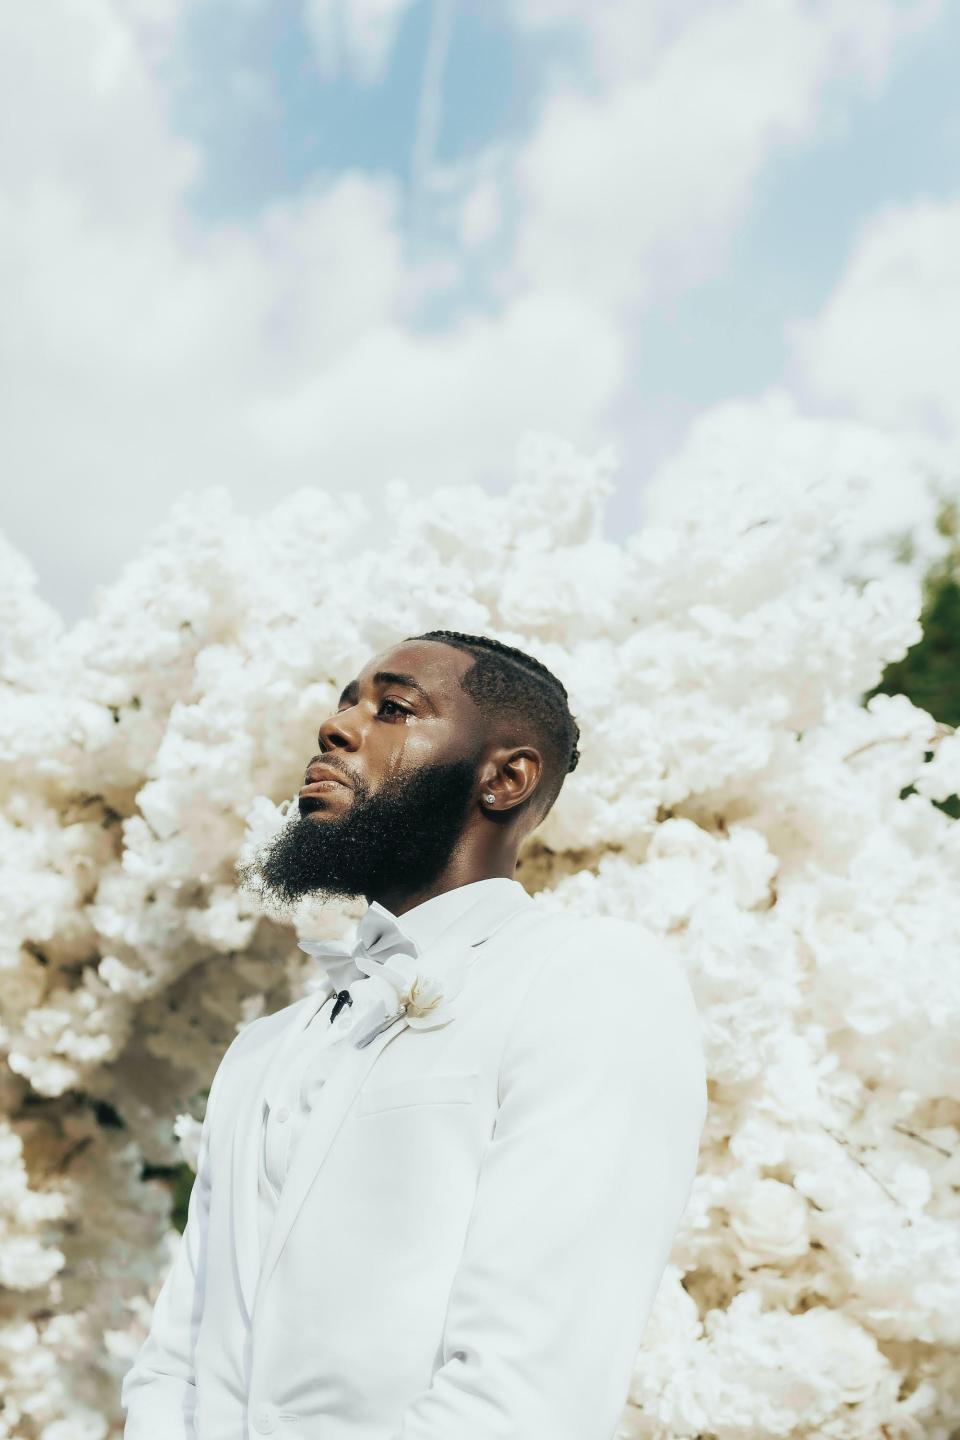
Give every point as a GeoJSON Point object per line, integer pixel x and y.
{"type": "Point", "coordinates": [343, 998]}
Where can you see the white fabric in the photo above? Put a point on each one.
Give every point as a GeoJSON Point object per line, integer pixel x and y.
{"type": "Point", "coordinates": [471, 1228]}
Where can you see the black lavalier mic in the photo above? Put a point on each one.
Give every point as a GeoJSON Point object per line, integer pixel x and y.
{"type": "Point", "coordinates": [343, 998]}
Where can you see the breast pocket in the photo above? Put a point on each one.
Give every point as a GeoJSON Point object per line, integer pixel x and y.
{"type": "Point", "coordinates": [451, 1088]}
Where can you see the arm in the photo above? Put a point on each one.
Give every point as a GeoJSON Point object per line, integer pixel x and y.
{"type": "Point", "coordinates": [578, 1200]}
{"type": "Point", "coordinates": [158, 1393]}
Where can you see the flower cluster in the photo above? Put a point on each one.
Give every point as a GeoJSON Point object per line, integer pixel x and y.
{"type": "Point", "coordinates": [733, 793]}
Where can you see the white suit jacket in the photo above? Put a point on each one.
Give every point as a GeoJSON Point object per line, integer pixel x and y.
{"type": "Point", "coordinates": [476, 1219]}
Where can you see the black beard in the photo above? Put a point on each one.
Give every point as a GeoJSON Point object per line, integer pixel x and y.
{"type": "Point", "coordinates": [396, 838]}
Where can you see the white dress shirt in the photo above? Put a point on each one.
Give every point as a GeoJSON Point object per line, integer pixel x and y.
{"type": "Point", "coordinates": [313, 1059]}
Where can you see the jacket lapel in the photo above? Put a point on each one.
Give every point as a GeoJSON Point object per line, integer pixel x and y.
{"type": "Point", "coordinates": [247, 1138]}
{"type": "Point", "coordinates": [475, 926]}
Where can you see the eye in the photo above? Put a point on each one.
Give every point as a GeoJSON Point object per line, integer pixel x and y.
{"type": "Point", "coordinates": [398, 708]}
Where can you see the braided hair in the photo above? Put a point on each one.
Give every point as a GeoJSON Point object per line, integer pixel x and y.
{"type": "Point", "coordinates": [506, 683]}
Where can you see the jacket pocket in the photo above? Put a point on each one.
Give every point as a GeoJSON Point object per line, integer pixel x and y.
{"type": "Point", "coordinates": [450, 1088]}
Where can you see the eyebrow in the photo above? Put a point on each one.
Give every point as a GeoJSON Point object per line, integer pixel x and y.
{"type": "Point", "coordinates": [351, 692]}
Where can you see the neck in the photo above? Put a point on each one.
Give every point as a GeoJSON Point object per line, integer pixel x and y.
{"type": "Point", "coordinates": [398, 898]}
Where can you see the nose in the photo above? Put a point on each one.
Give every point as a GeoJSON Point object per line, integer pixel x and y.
{"type": "Point", "coordinates": [337, 732]}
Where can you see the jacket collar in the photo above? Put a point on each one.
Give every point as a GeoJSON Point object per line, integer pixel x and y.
{"type": "Point", "coordinates": [485, 900]}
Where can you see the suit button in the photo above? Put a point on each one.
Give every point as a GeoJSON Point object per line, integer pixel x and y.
{"type": "Point", "coordinates": [283, 1114]}
{"type": "Point", "coordinates": [265, 1419]}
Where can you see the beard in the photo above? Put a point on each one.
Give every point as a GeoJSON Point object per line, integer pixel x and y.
{"type": "Point", "coordinates": [397, 837]}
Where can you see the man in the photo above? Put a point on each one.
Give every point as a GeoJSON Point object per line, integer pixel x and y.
{"type": "Point", "coordinates": [435, 1196]}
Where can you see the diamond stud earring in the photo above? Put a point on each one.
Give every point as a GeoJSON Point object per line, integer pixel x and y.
{"type": "Point", "coordinates": [489, 798]}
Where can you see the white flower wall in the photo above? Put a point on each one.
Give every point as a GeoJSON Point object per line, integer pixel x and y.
{"type": "Point", "coordinates": [733, 794]}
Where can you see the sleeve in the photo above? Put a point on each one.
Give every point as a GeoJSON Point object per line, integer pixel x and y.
{"type": "Point", "coordinates": [581, 1188]}
{"type": "Point", "coordinates": [158, 1393]}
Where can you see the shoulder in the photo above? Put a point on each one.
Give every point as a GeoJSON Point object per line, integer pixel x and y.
{"type": "Point", "coordinates": [606, 950]}
{"type": "Point", "coordinates": [610, 1012]}
{"type": "Point", "coordinates": [594, 966]}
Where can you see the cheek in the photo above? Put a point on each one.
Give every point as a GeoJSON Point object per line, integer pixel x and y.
{"type": "Point", "coordinates": [396, 752]}
{"type": "Point", "coordinates": [411, 748]}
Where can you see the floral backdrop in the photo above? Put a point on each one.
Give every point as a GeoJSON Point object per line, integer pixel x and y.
{"type": "Point", "coordinates": [734, 793]}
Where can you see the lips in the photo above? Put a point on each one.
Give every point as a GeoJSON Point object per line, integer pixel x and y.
{"type": "Point", "coordinates": [319, 779]}
{"type": "Point", "coordinates": [317, 791]}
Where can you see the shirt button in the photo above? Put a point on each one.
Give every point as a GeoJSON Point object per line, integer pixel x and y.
{"type": "Point", "coordinates": [283, 1114]}
{"type": "Point", "coordinates": [265, 1419]}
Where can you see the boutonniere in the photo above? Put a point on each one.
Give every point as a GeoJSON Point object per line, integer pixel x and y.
{"type": "Point", "coordinates": [422, 997]}
{"type": "Point", "coordinates": [399, 990]}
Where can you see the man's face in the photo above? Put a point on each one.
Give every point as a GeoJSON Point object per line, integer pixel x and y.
{"type": "Point", "coordinates": [387, 797]}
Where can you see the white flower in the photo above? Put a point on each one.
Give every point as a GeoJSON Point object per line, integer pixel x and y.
{"type": "Point", "coordinates": [735, 796]}
{"type": "Point", "coordinates": [402, 988]}
{"type": "Point", "coordinates": [771, 1224]}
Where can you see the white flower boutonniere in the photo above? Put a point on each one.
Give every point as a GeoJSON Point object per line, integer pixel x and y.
{"type": "Point", "coordinates": [400, 991]}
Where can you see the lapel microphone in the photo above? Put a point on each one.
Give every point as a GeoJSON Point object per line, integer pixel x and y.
{"type": "Point", "coordinates": [343, 998]}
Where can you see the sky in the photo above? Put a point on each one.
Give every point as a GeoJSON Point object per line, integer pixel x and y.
{"type": "Point", "coordinates": [274, 243]}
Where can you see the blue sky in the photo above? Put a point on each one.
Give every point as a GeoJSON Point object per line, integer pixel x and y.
{"type": "Point", "coordinates": [892, 146]}
{"type": "Point", "coordinates": [727, 336]}
{"type": "Point", "coordinates": [304, 124]}
{"type": "Point", "coordinates": [720, 338]}
{"type": "Point", "coordinates": [896, 144]}
{"type": "Point", "coordinates": [261, 242]}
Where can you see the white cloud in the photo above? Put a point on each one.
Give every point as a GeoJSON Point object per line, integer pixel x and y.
{"type": "Point", "coordinates": [622, 41]}
{"type": "Point", "coordinates": [640, 182]}
{"type": "Point", "coordinates": [619, 40]}
{"type": "Point", "coordinates": [156, 24]}
{"type": "Point", "coordinates": [90, 115]}
{"type": "Point", "coordinates": [142, 354]}
{"type": "Point", "coordinates": [547, 363]}
{"type": "Point", "coordinates": [887, 343]}
{"type": "Point", "coordinates": [480, 216]}
{"type": "Point", "coordinates": [354, 35]}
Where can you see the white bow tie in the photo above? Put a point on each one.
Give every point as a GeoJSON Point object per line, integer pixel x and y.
{"type": "Point", "coordinates": [378, 938]}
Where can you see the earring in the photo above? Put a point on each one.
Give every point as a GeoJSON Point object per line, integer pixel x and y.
{"type": "Point", "coordinates": [490, 799]}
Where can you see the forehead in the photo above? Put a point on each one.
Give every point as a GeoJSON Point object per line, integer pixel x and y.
{"type": "Point", "coordinates": [438, 667]}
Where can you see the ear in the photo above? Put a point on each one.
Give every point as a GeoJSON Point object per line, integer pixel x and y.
{"type": "Point", "coordinates": [512, 777]}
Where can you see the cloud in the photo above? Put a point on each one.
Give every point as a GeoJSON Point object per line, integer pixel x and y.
{"type": "Point", "coordinates": [143, 354]}
{"type": "Point", "coordinates": [887, 343]}
{"type": "Point", "coordinates": [90, 116]}
{"type": "Point", "coordinates": [355, 36]}
{"type": "Point", "coordinates": [621, 41]}
{"type": "Point", "coordinates": [639, 184]}
{"type": "Point", "coordinates": [481, 213]}
{"type": "Point", "coordinates": [547, 362]}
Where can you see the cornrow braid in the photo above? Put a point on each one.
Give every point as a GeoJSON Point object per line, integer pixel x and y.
{"type": "Point", "coordinates": [507, 683]}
